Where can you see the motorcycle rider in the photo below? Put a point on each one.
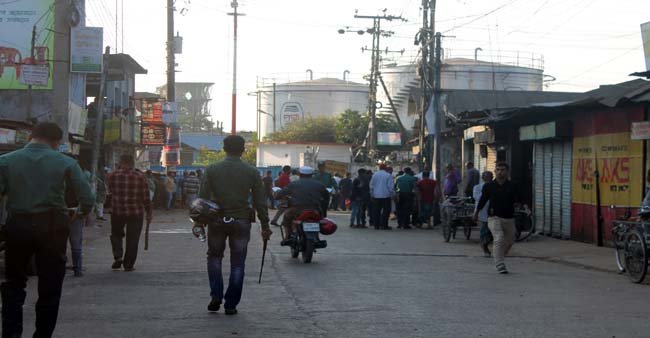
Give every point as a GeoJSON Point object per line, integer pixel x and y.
{"type": "Point", "coordinates": [305, 194]}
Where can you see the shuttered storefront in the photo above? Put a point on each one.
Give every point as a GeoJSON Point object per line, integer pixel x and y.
{"type": "Point", "coordinates": [552, 188]}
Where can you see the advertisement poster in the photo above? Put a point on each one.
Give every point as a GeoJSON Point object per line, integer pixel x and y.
{"type": "Point", "coordinates": [153, 134]}
{"type": "Point", "coordinates": [389, 139]}
{"type": "Point", "coordinates": [152, 111]}
{"type": "Point", "coordinates": [17, 18]}
{"type": "Point", "coordinates": [173, 135]}
{"type": "Point", "coordinates": [171, 156]}
{"type": "Point", "coordinates": [170, 112]}
{"type": "Point", "coordinates": [619, 161]}
{"type": "Point", "coordinates": [86, 45]}
{"type": "Point", "coordinates": [111, 130]}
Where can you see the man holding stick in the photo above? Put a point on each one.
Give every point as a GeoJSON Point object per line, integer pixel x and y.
{"type": "Point", "coordinates": [229, 183]}
{"type": "Point", "coordinates": [130, 199]}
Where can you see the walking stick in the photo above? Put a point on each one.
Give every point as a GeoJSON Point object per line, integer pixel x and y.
{"type": "Point", "coordinates": [146, 236]}
{"type": "Point", "coordinates": [263, 256]}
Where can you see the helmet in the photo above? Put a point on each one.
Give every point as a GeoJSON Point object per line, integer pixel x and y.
{"type": "Point", "coordinates": [327, 226]}
{"type": "Point", "coordinates": [203, 211]}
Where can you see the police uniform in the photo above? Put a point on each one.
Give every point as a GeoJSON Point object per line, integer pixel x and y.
{"type": "Point", "coordinates": [231, 183]}
{"type": "Point", "coordinates": [34, 179]}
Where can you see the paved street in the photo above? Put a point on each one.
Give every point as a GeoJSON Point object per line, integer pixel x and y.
{"type": "Point", "coordinates": [367, 283]}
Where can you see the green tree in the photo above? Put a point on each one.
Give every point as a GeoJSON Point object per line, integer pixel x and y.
{"type": "Point", "coordinates": [352, 127]}
{"type": "Point", "coordinates": [309, 129]}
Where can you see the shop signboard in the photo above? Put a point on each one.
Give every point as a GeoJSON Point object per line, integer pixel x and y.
{"type": "Point", "coordinates": [86, 45]}
{"type": "Point", "coordinates": [153, 134]}
{"type": "Point", "coordinates": [619, 162]}
{"type": "Point", "coordinates": [152, 111]}
{"type": "Point", "coordinates": [171, 156]}
{"type": "Point", "coordinates": [111, 130]}
{"type": "Point", "coordinates": [640, 130]}
{"type": "Point", "coordinates": [17, 68]}
{"type": "Point", "coordinates": [389, 139]}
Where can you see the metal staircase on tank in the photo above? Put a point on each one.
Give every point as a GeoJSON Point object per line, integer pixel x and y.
{"type": "Point", "coordinates": [401, 98]}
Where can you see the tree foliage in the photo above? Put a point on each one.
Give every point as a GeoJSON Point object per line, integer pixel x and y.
{"type": "Point", "coordinates": [309, 129]}
{"type": "Point", "coordinates": [352, 127]}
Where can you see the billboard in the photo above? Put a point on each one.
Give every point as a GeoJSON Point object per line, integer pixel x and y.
{"type": "Point", "coordinates": [645, 35]}
{"type": "Point", "coordinates": [619, 161]}
{"type": "Point", "coordinates": [17, 18]}
{"type": "Point", "coordinates": [86, 45]}
{"type": "Point", "coordinates": [389, 139]}
{"type": "Point", "coordinates": [153, 134]}
{"type": "Point", "coordinates": [152, 111]}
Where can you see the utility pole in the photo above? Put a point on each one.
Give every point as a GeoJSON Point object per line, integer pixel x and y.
{"type": "Point", "coordinates": [377, 33]}
{"type": "Point", "coordinates": [436, 108]}
{"type": "Point", "coordinates": [171, 58]}
{"type": "Point", "coordinates": [274, 117]}
{"type": "Point", "coordinates": [423, 38]}
{"type": "Point", "coordinates": [29, 88]}
{"type": "Point", "coordinates": [99, 124]}
{"type": "Point", "coordinates": [233, 129]}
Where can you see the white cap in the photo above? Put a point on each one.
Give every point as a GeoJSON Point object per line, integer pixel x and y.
{"type": "Point", "coordinates": [306, 170]}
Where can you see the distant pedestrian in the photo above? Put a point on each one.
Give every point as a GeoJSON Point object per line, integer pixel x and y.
{"type": "Point", "coordinates": [282, 182]}
{"type": "Point", "coordinates": [151, 184]}
{"type": "Point", "coordinates": [170, 188]}
{"type": "Point", "coordinates": [359, 199]}
{"type": "Point", "coordinates": [191, 187]}
{"type": "Point", "coordinates": [326, 179]}
{"type": "Point", "coordinates": [336, 194]}
{"type": "Point", "coordinates": [382, 192]}
{"type": "Point", "coordinates": [101, 191]}
{"type": "Point", "coordinates": [502, 195]}
{"type": "Point", "coordinates": [34, 178]}
{"type": "Point", "coordinates": [294, 175]}
{"type": "Point", "coordinates": [452, 179]}
{"type": "Point", "coordinates": [428, 191]}
{"type": "Point", "coordinates": [485, 234]}
{"type": "Point", "coordinates": [345, 186]}
{"type": "Point", "coordinates": [130, 201]}
{"type": "Point", "coordinates": [405, 190]}
{"type": "Point", "coordinates": [472, 178]}
{"type": "Point", "coordinates": [231, 183]}
{"type": "Point", "coordinates": [268, 189]}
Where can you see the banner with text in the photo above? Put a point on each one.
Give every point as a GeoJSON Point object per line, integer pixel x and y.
{"type": "Point", "coordinates": [17, 18]}
{"type": "Point", "coordinates": [619, 161]}
{"type": "Point", "coordinates": [86, 45]}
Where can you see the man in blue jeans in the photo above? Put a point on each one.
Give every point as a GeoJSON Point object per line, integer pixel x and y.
{"type": "Point", "coordinates": [230, 183]}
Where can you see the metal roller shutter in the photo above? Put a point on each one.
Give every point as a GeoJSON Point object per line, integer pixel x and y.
{"type": "Point", "coordinates": [548, 188]}
{"type": "Point", "coordinates": [538, 185]}
{"type": "Point", "coordinates": [566, 188]}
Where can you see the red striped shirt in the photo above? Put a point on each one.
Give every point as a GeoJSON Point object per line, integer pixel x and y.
{"type": "Point", "coordinates": [130, 195]}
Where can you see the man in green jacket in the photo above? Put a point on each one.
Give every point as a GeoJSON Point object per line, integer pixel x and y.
{"type": "Point", "coordinates": [34, 179]}
{"type": "Point", "coordinates": [230, 183]}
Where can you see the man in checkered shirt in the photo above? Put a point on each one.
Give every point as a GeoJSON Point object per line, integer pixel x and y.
{"type": "Point", "coordinates": [130, 199]}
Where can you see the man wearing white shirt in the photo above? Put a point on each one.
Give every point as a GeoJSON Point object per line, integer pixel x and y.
{"type": "Point", "coordinates": [486, 235]}
{"type": "Point", "coordinates": [382, 190]}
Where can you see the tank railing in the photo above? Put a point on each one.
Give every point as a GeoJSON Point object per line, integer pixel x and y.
{"type": "Point", "coordinates": [524, 59]}
{"type": "Point", "coordinates": [268, 79]}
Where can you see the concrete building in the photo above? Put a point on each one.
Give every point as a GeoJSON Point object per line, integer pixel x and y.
{"type": "Point", "coordinates": [296, 100]}
{"type": "Point", "coordinates": [296, 154]}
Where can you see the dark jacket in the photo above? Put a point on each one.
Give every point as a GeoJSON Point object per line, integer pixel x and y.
{"type": "Point", "coordinates": [306, 193]}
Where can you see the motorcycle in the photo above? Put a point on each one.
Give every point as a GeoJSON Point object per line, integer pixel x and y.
{"type": "Point", "coordinates": [305, 239]}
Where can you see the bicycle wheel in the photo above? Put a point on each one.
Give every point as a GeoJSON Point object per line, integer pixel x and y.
{"type": "Point", "coordinates": [525, 227]}
{"type": "Point", "coordinates": [446, 225]}
{"type": "Point", "coordinates": [467, 230]}
{"type": "Point", "coordinates": [619, 249]}
{"type": "Point", "coordinates": [636, 258]}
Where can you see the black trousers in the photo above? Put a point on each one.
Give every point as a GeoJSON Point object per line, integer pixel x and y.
{"type": "Point", "coordinates": [44, 236]}
{"type": "Point", "coordinates": [381, 210]}
{"type": "Point", "coordinates": [404, 208]}
{"type": "Point", "coordinates": [133, 225]}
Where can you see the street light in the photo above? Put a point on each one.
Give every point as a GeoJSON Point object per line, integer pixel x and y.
{"type": "Point", "coordinates": [348, 30]}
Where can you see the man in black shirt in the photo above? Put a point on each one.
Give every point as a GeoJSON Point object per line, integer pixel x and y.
{"type": "Point", "coordinates": [502, 195]}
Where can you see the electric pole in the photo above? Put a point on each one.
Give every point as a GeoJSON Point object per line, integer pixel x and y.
{"type": "Point", "coordinates": [377, 33]}
{"type": "Point", "coordinates": [436, 108]}
{"type": "Point", "coordinates": [233, 129]}
{"type": "Point", "coordinates": [423, 37]}
{"type": "Point", "coordinates": [29, 88]}
{"type": "Point", "coordinates": [171, 59]}
{"type": "Point", "coordinates": [99, 124]}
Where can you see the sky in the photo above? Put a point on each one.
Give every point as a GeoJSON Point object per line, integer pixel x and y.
{"type": "Point", "coordinates": [584, 43]}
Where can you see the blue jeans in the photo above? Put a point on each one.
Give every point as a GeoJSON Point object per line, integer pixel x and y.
{"type": "Point", "coordinates": [358, 216]}
{"type": "Point", "coordinates": [76, 242]}
{"type": "Point", "coordinates": [169, 200]}
{"type": "Point", "coordinates": [426, 211]}
{"type": "Point", "coordinates": [238, 234]}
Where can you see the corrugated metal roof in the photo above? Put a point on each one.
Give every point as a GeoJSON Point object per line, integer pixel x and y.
{"type": "Point", "coordinates": [461, 101]}
{"type": "Point", "coordinates": [201, 140]}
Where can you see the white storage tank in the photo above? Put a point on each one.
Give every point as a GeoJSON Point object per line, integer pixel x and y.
{"type": "Point", "coordinates": [320, 97]}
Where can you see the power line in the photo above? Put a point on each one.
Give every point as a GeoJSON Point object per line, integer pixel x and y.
{"type": "Point", "coordinates": [481, 16]}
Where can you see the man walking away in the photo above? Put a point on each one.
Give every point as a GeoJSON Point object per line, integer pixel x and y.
{"type": "Point", "coordinates": [282, 182]}
{"type": "Point", "coordinates": [405, 187]}
{"type": "Point", "coordinates": [452, 179]}
{"type": "Point", "coordinates": [191, 186]}
{"type": "Point", "coordinates": [34, 179]}
{"type": "Point", "coordinates": [268, 188]}
{"type": "Point", "coordinates": [170, 187]}
{"type": "Point", "coordinates": [336, 194]}
{"type": "Point", "coordinates": [359, 200]}
{"type": "Point", "coordinates": [130, 199]}
{"type": "Point", "coordinates": [428, 192]}
{"type": "Point", "coordinates": [346, 190]}
{"type": "Point", "coordinates": [369, 205]}
{"type": "Point", "coordinates": [230, 183]}
{"type": "Point", "coordinates": [485, 234]}
{"type": "Point", "coordinates": [382, 191]}
{"type": "Point", "coordinates": [472, 178]}
{"type": "Point", "coordinates": [502, 195]}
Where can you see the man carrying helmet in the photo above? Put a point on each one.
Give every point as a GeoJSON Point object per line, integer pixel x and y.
{"type": "Point", "coordinates": [305, 194]}
{"type": "Point", "coordinates": [229, 183]}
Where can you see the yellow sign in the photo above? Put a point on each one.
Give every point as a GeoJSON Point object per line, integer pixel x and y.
{"type": "Point", "coordinates": [620, 163]}
{"type": "Point", "coordinates": [111, 130]}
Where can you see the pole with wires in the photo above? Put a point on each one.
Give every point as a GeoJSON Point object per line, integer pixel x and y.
{"type": "Point", "coordinates": [233, 130]}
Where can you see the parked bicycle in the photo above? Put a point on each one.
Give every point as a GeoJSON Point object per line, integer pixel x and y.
{"type": "Point", "coordinates": [631, 239]}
